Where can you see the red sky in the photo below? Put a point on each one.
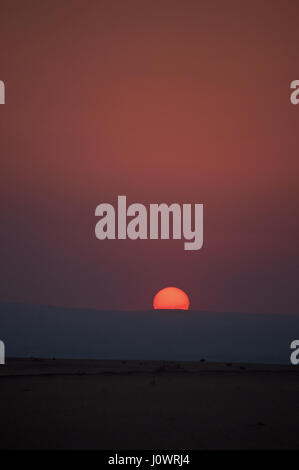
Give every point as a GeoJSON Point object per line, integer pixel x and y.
{"type": "Point", "coordinates": [171, 101]}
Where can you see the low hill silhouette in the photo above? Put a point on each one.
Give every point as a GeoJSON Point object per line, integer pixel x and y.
{"type": "Point", "coordinates": [44, 331]}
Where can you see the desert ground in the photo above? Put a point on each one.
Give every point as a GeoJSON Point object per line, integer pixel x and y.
{"type": "Point", "coordinates": [94, 404]}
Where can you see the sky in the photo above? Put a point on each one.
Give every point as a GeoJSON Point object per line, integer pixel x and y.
{"type": "Point", "coordinates": [169, 101]}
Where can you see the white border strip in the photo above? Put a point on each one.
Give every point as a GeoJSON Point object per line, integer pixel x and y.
{"type": "Point", "coordinates": [2, 353]}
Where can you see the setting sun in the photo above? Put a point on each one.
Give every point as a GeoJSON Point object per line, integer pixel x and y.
{"type": "Point", "coordinates": [171, 298]}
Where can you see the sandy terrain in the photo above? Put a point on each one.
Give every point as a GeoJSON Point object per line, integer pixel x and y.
{"type": "Point", "coordinates": [77, 404]}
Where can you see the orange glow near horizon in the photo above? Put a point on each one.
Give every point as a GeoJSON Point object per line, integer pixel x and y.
{"type": "Point", "coordinates": [171, 298]}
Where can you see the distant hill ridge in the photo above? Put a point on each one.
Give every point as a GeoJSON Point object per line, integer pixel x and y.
{"type": "Point", "coordinates": [46, 331]}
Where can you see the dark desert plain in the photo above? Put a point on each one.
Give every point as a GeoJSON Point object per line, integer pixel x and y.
{"type": "Point", "coordinates": [150, 380]}
{"type": "Point", "coordinates": [102, 404]}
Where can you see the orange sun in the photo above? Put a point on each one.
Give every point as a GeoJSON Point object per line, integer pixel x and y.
{"type": "Point", "coordinates": [171, 298]}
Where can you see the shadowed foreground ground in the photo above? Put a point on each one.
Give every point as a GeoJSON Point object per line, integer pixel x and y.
{"type": "Point", "coordinates": [77, 404]}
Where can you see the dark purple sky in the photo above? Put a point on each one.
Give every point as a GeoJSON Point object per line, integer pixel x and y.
{"type": "Point", "coordinates": [165, 101]}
